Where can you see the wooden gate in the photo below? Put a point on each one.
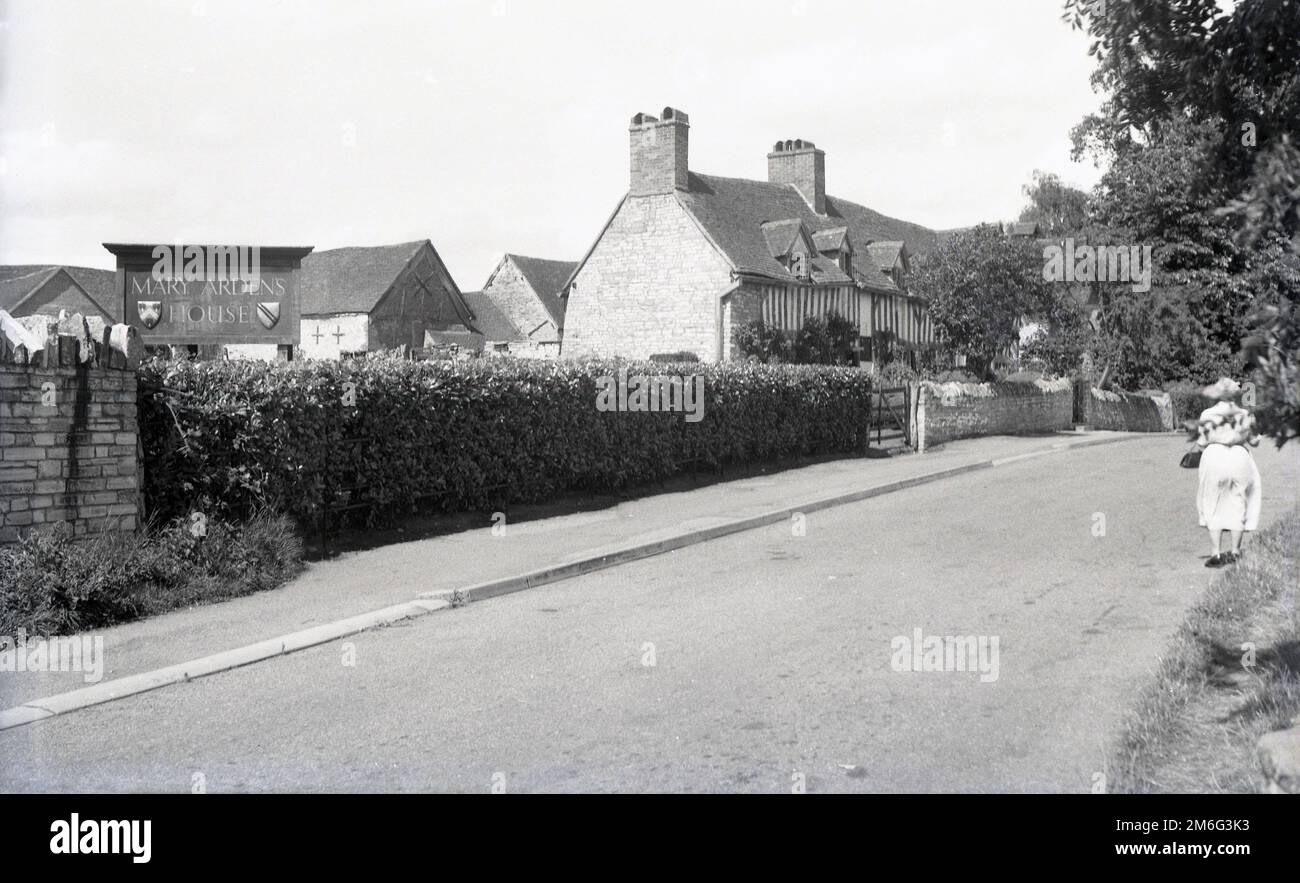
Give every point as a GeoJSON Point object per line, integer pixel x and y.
{"type": "Point", "coordinates": [890, 411]}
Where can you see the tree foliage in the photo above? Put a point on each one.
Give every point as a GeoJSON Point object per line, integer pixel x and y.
{"type": "Point", "coordinates": [1198, 134]}
{"type": "Point", "coordinates": [980, 284]}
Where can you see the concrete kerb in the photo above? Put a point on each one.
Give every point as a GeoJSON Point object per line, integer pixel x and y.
{"type": "Point", "coordinates": [429, 602]}
{"type": "Point", "coordinates": [118, 688]}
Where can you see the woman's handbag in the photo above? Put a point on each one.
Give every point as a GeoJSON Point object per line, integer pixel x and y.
{"type": "Point", "coordinates": [1191, 460]}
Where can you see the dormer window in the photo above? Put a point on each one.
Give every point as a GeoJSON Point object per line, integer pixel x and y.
{"type": "Point", "coordinates": [833, 244]}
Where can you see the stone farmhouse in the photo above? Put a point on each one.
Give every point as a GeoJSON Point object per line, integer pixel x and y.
{"type": "Point", "coordinates": [28, 290]}
{"type": "Point", "coordinates": [361, 300]}
{"type": "Point", "coordinates": [527, 292]}
{"type": "Point", "coordinates": [686, 258]}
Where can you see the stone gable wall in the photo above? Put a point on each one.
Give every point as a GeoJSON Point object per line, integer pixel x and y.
{"type": "Point", "coordinates": [651, 285]}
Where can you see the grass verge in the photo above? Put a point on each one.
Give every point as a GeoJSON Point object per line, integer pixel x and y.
{"type": "Point", "coordinates": [1231, 674]}
{"type": "Point", "coordinates": [51, 584]}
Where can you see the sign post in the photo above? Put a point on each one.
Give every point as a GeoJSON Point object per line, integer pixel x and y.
{"type": "Point", "coordinates": [209, 294]}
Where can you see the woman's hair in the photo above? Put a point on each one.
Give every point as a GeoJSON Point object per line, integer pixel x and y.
{"type": "Point", "coordinates": [1225, 389]}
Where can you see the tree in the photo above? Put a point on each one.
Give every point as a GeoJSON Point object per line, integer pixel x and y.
{"type": "Point", "coordinates": [1059, 209]}
{"type": "Point", "coordinates": [981, 285]}
{"type": "Point", "coordinates": [1203, 106]}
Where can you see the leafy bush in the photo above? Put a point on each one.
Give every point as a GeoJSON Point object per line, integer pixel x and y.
{"type": "Point", "coordinates": [51, 583]}
{"type": "Point", "coordinates": [895, 374]}
{"type": "Point", "coordinates": [1187, 401]}
{"type": "Point", "coordinates": [462, 435]}
{"type": "Point", "coordinates": [822, 340]}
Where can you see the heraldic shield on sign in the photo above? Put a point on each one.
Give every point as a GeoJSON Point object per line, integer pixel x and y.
{"type": "Point", "coordinates": [150, 311]}
{"type": "Point", "coordinates": [268, 314]}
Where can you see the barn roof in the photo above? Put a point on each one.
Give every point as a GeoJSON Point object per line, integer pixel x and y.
{"type": "Point", "coordinates": [352, 280]}
{"type": "Point", "coordinates": [490, 319]}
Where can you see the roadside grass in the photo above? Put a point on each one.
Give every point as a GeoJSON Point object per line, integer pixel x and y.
{"type": "Point", "coordinates": [1194, 729]}
{"type": "Point", "coordinates": [53, 584]}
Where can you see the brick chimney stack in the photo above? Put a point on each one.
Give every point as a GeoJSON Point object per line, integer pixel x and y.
{"type": "Point", "coordinates": [660, 148]}
{"type": "Point", "coordinates": [800, 163]}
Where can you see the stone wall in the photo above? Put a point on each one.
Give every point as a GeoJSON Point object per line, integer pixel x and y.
{"type": "Point", "coordinates": [651, 285]}
{"type": "Point", "coordinates": [1124, 411]}
{"type": "Point", "coordinates": [68, 428]}
{"type": "Point", "coordinates": [511, 291]}
{"type": "Point", "coordinates": [947, 411]}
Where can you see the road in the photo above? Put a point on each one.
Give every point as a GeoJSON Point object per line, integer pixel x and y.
{"type": "Point", "coordinates": [759, 662]}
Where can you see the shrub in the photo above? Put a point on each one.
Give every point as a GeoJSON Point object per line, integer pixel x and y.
{"type": "Point", "coordinates": [51, 583]}
{"type": "Point", "coordinates": [759, 341]}
{"type": "Point", "coordinates": [1187, 401]}
{"type": "Point", "coordinates": [895, 374]}
{"type": "Point", "coordinates": [463, 435]}
{"type": "Point", "coordinates": [823, 340]}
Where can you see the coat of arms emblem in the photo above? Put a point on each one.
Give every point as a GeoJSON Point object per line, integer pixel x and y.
{"type": "Point", "coordinates": [150, 311]}
{"type": "Point", "coordinates": [268, 314]}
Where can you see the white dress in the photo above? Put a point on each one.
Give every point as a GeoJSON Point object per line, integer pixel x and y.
{"type": "Point", "coordinates": [1228, 494]}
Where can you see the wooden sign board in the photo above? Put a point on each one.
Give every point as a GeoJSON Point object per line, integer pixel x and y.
{"type": "Point", "coordinates": [206, 294]}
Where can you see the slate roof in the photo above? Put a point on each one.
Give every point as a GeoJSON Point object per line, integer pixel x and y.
{"type": "Point", "coordinates": [733, 210]}
{"type": "Point", "coordinates": [19, 280]}
{"type": "Point", "coordinates": [547, 279]}
{"type": "Point", "coordinates": [489, 318]}
{"type": "Point", "coordinates": [352, 280]}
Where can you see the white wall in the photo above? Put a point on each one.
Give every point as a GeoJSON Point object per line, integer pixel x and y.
{"type": "Point", "coordinates": [352, 327]}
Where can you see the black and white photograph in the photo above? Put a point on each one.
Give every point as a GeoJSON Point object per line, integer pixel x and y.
{"type": "Point", "coordinates": [895, 401]}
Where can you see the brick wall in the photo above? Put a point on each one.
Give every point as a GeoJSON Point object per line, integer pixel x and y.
{"type": "Point", "coordinates": [1125, 411]}
{"type": "Point", "coordinates": [651, 285]}
{"type": "Point", "coordinates": [947, 411]}
{"type": "Point", "coordinates": [68, 444]}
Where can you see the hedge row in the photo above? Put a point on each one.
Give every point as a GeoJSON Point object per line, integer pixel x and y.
{"type": "Point", "coordinates": [231, 437]}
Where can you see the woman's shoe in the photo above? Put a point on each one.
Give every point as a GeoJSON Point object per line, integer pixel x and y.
{"type": "Point", "coordinates": [1216, 561]}
{"type": "Point", "coordinates": [1230, 558]}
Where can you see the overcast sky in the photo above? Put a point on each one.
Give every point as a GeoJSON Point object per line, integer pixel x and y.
{"type": "Point", "coordinates": [501, 125]}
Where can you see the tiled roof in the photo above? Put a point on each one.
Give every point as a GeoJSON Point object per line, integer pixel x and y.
{"type": "Point", "coordinates": [825, 270]}
{"type": "Point", "coordinates": [490, 319]}
{"type": "Point", "coordinates": [19, 280]}
{"type": "Point", "coordinates": [831, 239]}
{"type": "Point", "coordinates": [885, 254]}
{"type": "Point", "coordinates": [547, 279]}
{"type": "Point", "coordinates": [781, 236]}
{"type": "Point", "coordinates": [733, 210]}
{"type": "Point", "coordinates": [352, 280]}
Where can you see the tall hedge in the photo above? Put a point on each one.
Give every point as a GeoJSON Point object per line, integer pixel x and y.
{"type": "Point", "coordinates": [229, 437]}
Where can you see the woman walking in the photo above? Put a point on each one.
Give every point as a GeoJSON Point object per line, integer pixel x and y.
{"type": "Point", "coordinates": [1228, 495]}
